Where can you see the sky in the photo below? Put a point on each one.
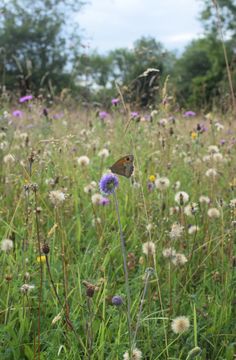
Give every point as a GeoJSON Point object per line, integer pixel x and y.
{"type": "Point", "coordinates": [111, 24]}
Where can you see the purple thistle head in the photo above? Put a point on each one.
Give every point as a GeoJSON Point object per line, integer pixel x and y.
{"type": "Point", "coordinates": [17, 113]}
{"type": "Point", "coordinates": [108, 183]}
{"type": "Point", "coordinates": [103, 115]}
{"type": "Point", "coordinates": [134, 114]}
{"type": "Point", "coordinates": [189, 113]}
{"type": "Point", "coordinates": [117, 300]}
{"type": "Point", "coordinates": [104, 201]}
{"type": "Point", "coordinates": [222, 142]}
{"type": "Point", "coordinates": [25, 98]}
{"type": "Point", "coordinates": [115, 101]}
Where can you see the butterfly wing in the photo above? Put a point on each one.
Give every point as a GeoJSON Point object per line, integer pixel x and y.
{"type": "Point", "coordinates": [124, 166]}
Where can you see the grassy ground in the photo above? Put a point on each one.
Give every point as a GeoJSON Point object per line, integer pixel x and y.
{"type": "Point", "coordinates": [65, 310]}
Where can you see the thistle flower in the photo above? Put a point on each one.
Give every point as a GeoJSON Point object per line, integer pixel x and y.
{"type": "Point", "coordinates": [6, 245]}
{"type": "Point", "coordinates": [134, 114]}
{"type": "Point", "coordinates": [17, 113]}
{"type": "Point", "coordinates": [213, 213]}
{"type": "Point", "coordinates": [136, 355]}
{"type": "Point", "coordinates": [104, 153]}
{"type": "Point", "coordinates": [189, 113]}
{"type": "Point", "coordinates": [104, 201]}
{"type": "Point", "coordinates": [179, 259]}
{"type": "Point", "coordinates": [83, 160]}
{"type": "Point", "coordinates": [115, 101]}
{"type": "Point", "coordinates": [25, 98]}
{"type": "Point", "coordinates": [57, 197]}
{"type": "Point", "coordinates": [103, 115]}
{"type": "Point", "coordinates": [180, 324]}
{"type": "Point", "coordinates": [149, 248]}
{"type": "Point", "coordinates": [108, 183]}
{"type": "Point", "coordinates": [162, 183]}
{"type": "Point", "coordinates": [176, 231]}
{"type": "Point", "coordinates": [181, 197]}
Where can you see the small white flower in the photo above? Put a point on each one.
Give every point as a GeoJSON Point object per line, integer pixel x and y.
{"type": "Point", "coordinates": [149, 248]}
{"type": "Point", "coordinates": [179, 259]}
{"type": "Point", "coordinates": [136, 355]}
{"type": "Point", "coordinates": [57, 197]}
{"type": "Point", "coordinates": [104, 153]}
{"type": "Point", "coordinates": [204, 199]}
{"type": "Point", "coordinates": [180, 324]}
{"type": "Point", "coordinates": [168, 252]}
{"type": "Point", "coordinates": [213, 213]}
{"type": "Point", "coordinates": [9, 159]}
{"type": "Point", "coordinates": [96, 198]}
{"type": "Point", "coordinates": [193, 229]}
{"type": "Point", "coordinates": [176, 231]}
{"type": "Point", "coordinates": [211, 173]}
{"type": "Point", "coordinates": [181, 197]}
{"type": "Point", "coordinates": [162, 183]}
{"type": "Point", "coordinates": [83, 160]}
{"type": "Point", "coordinates": [6, 245]}
{"type": "Point", "coordinates": [212, 149]}
{"type": "Point", "coordinates": [191, 209]}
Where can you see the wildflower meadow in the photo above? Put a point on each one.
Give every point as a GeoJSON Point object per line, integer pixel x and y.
{"type": "Point", "coordinates": [133, 263]}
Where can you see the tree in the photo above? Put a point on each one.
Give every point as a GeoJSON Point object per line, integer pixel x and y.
{"type": "Point", "coordinates": [34, 49]}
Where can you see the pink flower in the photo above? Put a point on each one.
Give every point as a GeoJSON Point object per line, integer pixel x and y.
{"type": "Point", "coordinates": [25, 98]}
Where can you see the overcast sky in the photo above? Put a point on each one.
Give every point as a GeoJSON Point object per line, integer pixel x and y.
{"type": "Point", "coordinates": [110, 24]}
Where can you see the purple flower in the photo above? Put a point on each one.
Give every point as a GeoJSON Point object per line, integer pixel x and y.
{"type": "Point", "coordinates": [134, 114]}
{"type": "Point", "coordinates": [108, 183]}
{"type": "Point", "coordinates": [104, 201]}
{"type": "Point", "coordinates": [17, 113]}
{"type": "Point", "coordinates": [115, 101]}
{"type": "Point", "coordinates": [103, 115]}
{"type": "Point", "coordinates": [25, 98]}
{"type": "Point", "coordinates": [222, 141]}
{"type": "Point", "coordinates": [201, 128]}
{"type": "Point", "coordinates": [58, 116]}
{"type": "Point", "coordinates": [189, 114]}
{"type": "Point", "coordinates": [117, 300]}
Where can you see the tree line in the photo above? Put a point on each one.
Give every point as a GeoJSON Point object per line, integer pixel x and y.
{"type": "Point", "coordinates": [42, 52]}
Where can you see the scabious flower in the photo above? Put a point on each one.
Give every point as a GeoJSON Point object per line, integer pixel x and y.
{"type": "Point", "coordinates": [25, 98]}
{"type": "Point", "coordinates": [136, 355]}
{"type": "Point", "coordinates": [181, 197]}
{"type": "Point", "coordinates": [83, 160]}
{"type": "Point", "coordinates": [115, 101]}
{"type": "Point", "coordinates": [189, 113]}
{"type": "Point", "coordinates": [180, 324]}
{"type": "Point", "coordinates": [6, 245]}
{"type": "Point", "coordinates": [104, 153]}
{"type": "Point", "coordinates": [108, 183]}
{"type": "Point", "coordinates": [117, 300]}
{"type": "Point", "coordinates": [162, 183]}
{"type": "Point", "coordinates": [176, 231]}
{"type": "Point", "coordinates": [103, 115]}
{"type": "Point", "coordinates": [149, 248]}
{"type": "Point", "coordinates": [213, 213]}
{"type": "Point", "coordinates": [57, 197]}
{"type": "Point", "coordinates": [17, 113]}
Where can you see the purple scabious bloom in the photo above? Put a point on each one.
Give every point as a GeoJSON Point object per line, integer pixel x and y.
{"type": "Point", "coordinates": [103, 115]}
{"type": "Point", "coordinates": [104, 201]}
{"type": "Point", "coordinates": [189, 113]}
{"type": "Point", "coordinates": [17, 113]}
{"type": "Point", "coordinates": [134, 114]}
{"type": "Point", "coordinates": [115, 101]}
{"type": "Point", "coordinates": [25, 98]}
{"type": "Point", "coordinates": [108, 183]}
{"type": "Point", "coordinates": [117, 300]}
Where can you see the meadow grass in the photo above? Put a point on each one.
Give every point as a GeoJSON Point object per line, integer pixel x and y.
{"type": "Point", "coordinates": [180, 255]}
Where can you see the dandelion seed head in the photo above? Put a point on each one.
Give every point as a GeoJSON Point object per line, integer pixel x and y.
{"type": "Point", "coordinates": [149, 248]}
{"type": "Point", "coordinates": [83, 160]}
{"type": "Point", "coordinates": [204, 199]}
{"type": "Point", "coordinates": [26, 288]}
{"type": "Point", "coordinates": [211, 173]}
{"type": "Point", "coordinates": [6, 245]}
{"type": "Point", "coordinates": [104, 153]}
{"type": "Point", "coordinates": [181, 197]}
{"type": "Point", "coordinates": [168, 252]}
{"type": "Point", "coordinates": [179, 259]}
{"type": "Point", "coordinates": [180, 324]}
{"type": "Point", "coordinates": [213, 213]}
{"type": "Point", "coordinates": [9, 159]}
{"type": "Point", "coordinates": [136, 355]}
{"type": "Point", "coordinates": [57, 197]}
{"type": "Point", "coordinates": [193, 229]}
{"type": "Point", "coordinates": [176, 231]}
{"type": "Point", "coordinates": [162, 183]}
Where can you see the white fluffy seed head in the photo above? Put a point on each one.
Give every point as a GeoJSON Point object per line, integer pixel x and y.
{"type": "Point", "coordinates": [180, 324]}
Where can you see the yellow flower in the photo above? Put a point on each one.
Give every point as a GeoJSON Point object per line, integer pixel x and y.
{"type": "Point", "coordinates": [152, 178]}
{"type": "Point", "coordinates": [41, 258]}
{"type": "Point", "coordinates": [193, 135]}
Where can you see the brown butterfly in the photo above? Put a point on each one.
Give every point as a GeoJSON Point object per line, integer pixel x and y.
{"type": "Point", "coordinates": [124, 166]}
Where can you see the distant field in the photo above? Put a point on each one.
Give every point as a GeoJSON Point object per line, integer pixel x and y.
{"type": "Point", "coordinates": [178, 216]}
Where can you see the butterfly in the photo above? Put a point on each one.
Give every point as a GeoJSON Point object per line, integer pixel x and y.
{"type": "Point", "coordinates": [124, 166]}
